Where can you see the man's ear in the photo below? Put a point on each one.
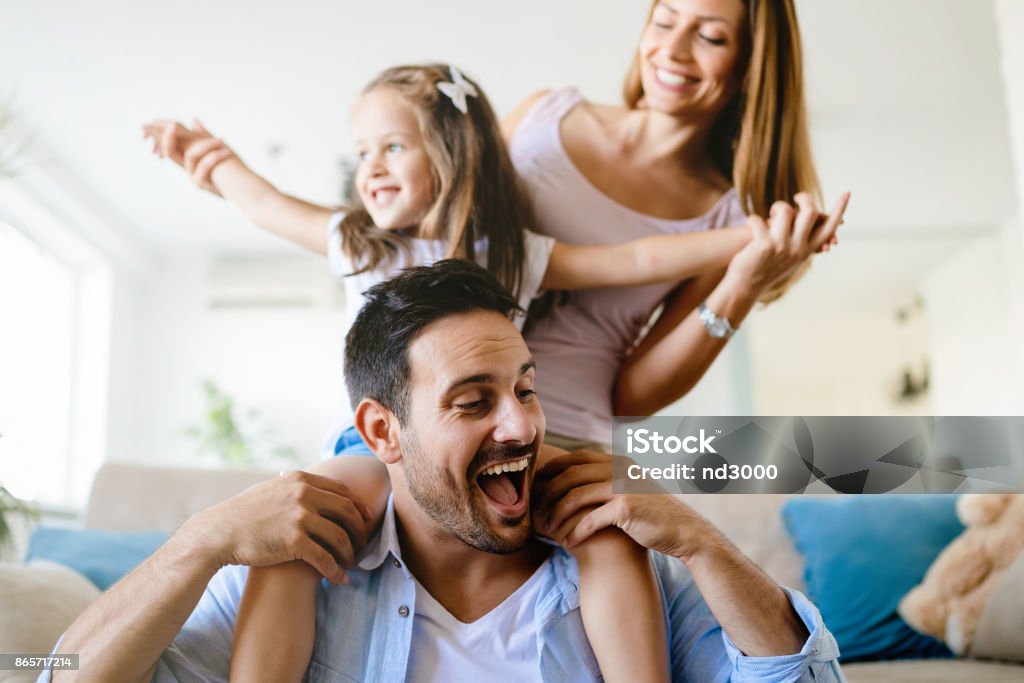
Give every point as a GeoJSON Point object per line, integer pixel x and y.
{"type": "Point", "coordinates": [380, 430]}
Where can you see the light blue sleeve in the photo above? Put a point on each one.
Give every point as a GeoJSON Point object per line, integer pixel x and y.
{"type": "Point", "coordinates": [202, 649]}
{"type": "Point", "coordinates": [700, 650]}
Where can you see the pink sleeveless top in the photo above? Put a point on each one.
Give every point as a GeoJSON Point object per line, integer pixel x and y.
{"type": "Point", "coordinates": [580, 346]}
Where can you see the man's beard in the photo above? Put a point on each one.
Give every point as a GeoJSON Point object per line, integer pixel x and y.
{"type": "Point", "coordinates": [451, 503]}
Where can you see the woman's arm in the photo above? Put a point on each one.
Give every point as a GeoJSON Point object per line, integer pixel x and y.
{"type": "Point", "coordinates": [213, 166]}
{"type": "Point", "coordinates": [662, 258]}
{"type": "Point", "coordinates": [276, 624]}
{"type": "Point", "coordinates": [677, 352]}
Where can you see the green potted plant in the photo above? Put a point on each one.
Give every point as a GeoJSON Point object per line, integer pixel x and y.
{"type": "Point", "coordinates": [12, 142]}
{"type": "Point", "coordinates": [235, 437]}
{"type": "Point", "coordinates": [13, 512]}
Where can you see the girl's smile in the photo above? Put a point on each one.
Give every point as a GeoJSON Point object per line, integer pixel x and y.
{"type": "Point", "coordinates": [394, 178]}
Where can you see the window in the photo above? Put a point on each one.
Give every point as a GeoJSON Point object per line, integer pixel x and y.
{"type": "Point", "coordinates": [36, 368]}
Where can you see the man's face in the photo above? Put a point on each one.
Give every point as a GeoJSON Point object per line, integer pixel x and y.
{"type": "Point", "coordinates": [469, 448]}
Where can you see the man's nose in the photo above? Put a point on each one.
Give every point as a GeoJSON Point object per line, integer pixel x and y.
{"type": "Point", "coordinates": [515, 423]}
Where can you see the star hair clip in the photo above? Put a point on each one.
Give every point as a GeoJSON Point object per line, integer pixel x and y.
{"type": "Point", "coordinates": [458, 89]}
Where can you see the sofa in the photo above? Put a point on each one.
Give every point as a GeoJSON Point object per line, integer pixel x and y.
{"type": "Point", "coordinates": [129, 497]}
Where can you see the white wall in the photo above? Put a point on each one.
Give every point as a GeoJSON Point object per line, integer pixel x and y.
{"type": "Point", "coordinates": [284, 362]}
{"type": "Point", "coordinates": [977, 364]}
{"type": "Point", "coordinates": [976, 315]}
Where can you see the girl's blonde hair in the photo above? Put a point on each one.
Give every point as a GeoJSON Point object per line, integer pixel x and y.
{"type": "Point", "coordinates": [478, 194]}
{"type": "Point", "coordinates": [761, 140]}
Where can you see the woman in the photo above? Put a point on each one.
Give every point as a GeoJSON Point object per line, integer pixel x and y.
{"type": "Point", "coordinates": [713, 128]}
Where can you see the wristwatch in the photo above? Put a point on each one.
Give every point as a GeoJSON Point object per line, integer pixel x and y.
{"type": "Point", "coordinates": [717, 326]}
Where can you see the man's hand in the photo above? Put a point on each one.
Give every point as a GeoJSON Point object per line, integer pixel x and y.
{"type": "Point", "coordinates": [574, 500]}
{"type": "Point", "coordinates": [567, 485]}
{"type": "Point", "coordinates": [657, 521]}
{"type": "Point", "coordinates": [297, 516]}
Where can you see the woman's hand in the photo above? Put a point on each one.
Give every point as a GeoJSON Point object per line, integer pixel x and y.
{"type": "Point", "coordinates": [786, 241]}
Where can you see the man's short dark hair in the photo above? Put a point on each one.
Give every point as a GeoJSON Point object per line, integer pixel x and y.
{"type": "Point", "coordinates": [377, 345]}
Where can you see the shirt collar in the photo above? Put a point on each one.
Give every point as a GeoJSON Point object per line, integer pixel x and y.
{"type": "Point", "coordinates": [562, 593]}
{"type": "Point", "coordinates": [384, 543]}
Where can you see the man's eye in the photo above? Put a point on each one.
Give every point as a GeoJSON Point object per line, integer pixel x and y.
{"type": "Point", "coordinates": [527, 394]}
{"type": "Point", "coordinates": [471, 407]}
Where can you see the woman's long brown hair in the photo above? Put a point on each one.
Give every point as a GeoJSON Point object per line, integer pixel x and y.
{"type": "Point", "coordinates": [761, 140]}
{"type": "Point", "coordinates": [478, 194]}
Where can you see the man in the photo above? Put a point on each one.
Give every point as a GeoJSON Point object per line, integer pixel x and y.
{"type": "Point", "coordinates": [444, 383]}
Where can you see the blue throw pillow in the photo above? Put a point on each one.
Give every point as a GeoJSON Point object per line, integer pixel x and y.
{"type": "Point", "coordinates": [102, 556]}
{"type": "Point", "coordinates": [862, 555]}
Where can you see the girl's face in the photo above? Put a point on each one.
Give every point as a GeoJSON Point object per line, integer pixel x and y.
{"type": "Point", "coordinates": [394, 178]}
{"type": "Point", "coordinates": [690, 54]}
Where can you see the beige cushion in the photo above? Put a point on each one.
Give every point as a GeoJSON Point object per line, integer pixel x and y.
{"type": "Point", "coordinates": [38, 601]}
{"type": "Point", "coordinates": [934, 671]}
{"type": "Point", "coordinates": [754, 523]}
{"type": "Point", "coordinates": [1000, 633]}
{"type": "Point", "coordinates": [135, 497]}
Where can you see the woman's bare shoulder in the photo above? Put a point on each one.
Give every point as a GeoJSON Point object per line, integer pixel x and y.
{"type": "Point", "coordinates": [510, 123]}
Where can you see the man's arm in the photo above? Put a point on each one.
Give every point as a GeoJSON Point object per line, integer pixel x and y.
{"type": "Point", "coordinates": [769, 631]}
{"type": "Point", "coordinates": [122, 635]}
{"type": "Point", "coordinates": [754, 611]}
{"type": "Point", "coordinates": [702, 651]}
{"type": "Point", "coordinates": [116, 638]}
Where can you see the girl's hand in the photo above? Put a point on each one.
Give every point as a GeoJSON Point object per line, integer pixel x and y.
{"type": "Point", "coordinates": [170, 139]}
{"type": "Point", "coordinates": [789, 238]}
{"type": "Point", "coordinates": [196, 149]}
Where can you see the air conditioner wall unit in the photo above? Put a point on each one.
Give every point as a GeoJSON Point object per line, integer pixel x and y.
{"type": "Point", "coordinates": [272, 282]}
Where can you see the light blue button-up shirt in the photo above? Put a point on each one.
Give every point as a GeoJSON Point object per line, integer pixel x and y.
{"type": "Point", "coordinates": [364, 629]}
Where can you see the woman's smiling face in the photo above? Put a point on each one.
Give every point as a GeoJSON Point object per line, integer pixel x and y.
{"type": "Point", "coordinates": [691, 56]}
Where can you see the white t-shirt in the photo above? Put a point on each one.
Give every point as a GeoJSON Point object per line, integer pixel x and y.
{"type": "Point", "coordinates": [423, 253]}
{"type": "Point", "coordinates": [445, 649]}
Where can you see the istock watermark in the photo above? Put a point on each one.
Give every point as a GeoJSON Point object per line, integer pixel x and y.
{"type": "Point", "coordinates": [818, 454]}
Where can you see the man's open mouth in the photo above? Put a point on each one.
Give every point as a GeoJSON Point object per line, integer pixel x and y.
{"type": "Point", "coordinates": [503, 484]}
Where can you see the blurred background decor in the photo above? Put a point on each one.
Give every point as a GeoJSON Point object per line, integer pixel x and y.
{"type": "Point", "coordinates": [236, 437]}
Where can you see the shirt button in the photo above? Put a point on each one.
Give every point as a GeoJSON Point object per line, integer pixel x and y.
{"type": "Point", "coordinates": [403, 611]}
{"type": "Point", "coordinates": [398, 564]}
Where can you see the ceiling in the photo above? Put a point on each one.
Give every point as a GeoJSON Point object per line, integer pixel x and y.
{"type": "Point", "coordinates": [906, 97]}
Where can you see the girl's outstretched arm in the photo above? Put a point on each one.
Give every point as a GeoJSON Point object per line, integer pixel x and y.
{"type": "Point", "coordinates": [661, 258]}
{"type": "Point", "coordinates": [276, 624]}
{"type": "Point", "coordinates": [620, 601]}
{"type": "Point", "coordinates": [215, 167]}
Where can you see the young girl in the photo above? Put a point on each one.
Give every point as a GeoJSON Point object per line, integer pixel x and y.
{"type": "Point", "coordinates": [434, 181]}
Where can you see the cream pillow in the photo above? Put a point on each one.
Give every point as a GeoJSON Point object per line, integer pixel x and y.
{"type": "Point", "coordinates": [38, 601]}
{"type": "Point", "coordinates": [1000, 633]}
